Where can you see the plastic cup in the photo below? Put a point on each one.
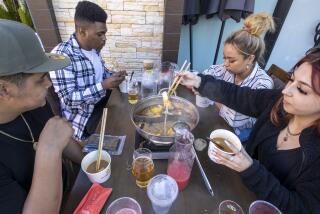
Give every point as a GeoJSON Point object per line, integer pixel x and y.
{"type": "Point", "coordinates": [124, 205]}
{"type": "Point", "coordinates": [123, 85]}
{"type": "Point", "coordinates": [166, 74]}
{"type": "Point", "coordinates": [226, 135]}
{"type": "Point", "coordinates": [101, 176]}
{"type": "Point", "coordinates": [162, 191]}
{"type": "Point", "coordinates": [203, 102]}
{"type": "Point", "coordinates": [230, 207]}
{"type": "Point", "coordinates": [263, 207]}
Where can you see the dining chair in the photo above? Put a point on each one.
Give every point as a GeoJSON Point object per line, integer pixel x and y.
{"type": "Point", "coordinates": [280, 77]}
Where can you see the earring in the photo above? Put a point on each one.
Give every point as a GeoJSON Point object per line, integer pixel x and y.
{"type": "Point", "coordinates": [248, 66]}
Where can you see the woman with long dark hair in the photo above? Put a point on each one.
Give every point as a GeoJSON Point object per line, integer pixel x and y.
{"type": "Point", "coordinates": [281, 161]}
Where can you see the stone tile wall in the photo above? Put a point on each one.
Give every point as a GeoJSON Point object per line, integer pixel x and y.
{"type": "Point", "coordinates": [135, 29]}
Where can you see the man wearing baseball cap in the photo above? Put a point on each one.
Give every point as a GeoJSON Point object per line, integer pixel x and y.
{"type": "Point", "coordinates": [32, 141]}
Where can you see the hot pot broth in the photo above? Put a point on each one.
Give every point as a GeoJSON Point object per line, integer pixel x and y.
{"type": "Point", "coordinates": [151, 119]}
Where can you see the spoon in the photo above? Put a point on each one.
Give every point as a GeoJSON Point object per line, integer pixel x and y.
{"type": "Point", "coordinates": [222, 144]}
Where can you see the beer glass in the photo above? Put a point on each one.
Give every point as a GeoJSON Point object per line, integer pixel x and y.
{"type": "Point", "coordinates": [133, 91]}
{"type": "Point", "coordinates": [142, 166]}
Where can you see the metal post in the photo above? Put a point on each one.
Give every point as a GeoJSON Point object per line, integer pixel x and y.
{"type": "Point", "coordinates": [219, 42]}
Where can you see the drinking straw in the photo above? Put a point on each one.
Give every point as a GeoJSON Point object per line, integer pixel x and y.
{"type": "Point", "coordinates": [131, 76]}
{"type": "Point", "coordinates": [204, 176]}
{"type": "Point", "coordinates": [103, 125]}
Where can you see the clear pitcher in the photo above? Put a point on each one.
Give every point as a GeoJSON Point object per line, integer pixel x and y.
{"type": "Point", "coordinates": [181, 158]}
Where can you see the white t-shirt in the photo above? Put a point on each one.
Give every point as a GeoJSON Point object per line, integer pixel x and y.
{"type": "Point", "coordinates": [97, 64]}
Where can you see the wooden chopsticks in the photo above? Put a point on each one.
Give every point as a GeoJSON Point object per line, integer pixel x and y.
{"type": "Point", "coordinates": [101, 139]}
{"type": "Point", "coordinates": [177, 80]}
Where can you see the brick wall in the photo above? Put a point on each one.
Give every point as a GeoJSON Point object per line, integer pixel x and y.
{"type": "Point", "coordinates": [135, 29]}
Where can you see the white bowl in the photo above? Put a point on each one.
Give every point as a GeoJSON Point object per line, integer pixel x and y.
{"type": "Point", "coordinates": [101, 176]}
{"type": "Point", "coordinates": [227, 135]}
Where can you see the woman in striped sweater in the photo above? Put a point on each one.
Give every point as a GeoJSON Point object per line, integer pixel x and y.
{"type": "Point", "coordinates": [243, 50]}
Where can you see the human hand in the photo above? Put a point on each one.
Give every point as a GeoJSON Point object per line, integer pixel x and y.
{"type": "Point", "coordinates": [56, 134]}
{"type": "Point", "coordinates": [239, 161]}
{"type": "Point", "coordinates": [114, 80]}
{"type": "Point", "coordinates": [190, 80]}
{"type": "Point", "coordinates": [121, 73]}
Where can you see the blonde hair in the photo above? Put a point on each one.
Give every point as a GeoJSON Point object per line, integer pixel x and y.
{"type": "Point", "coordinates": [248, 40]}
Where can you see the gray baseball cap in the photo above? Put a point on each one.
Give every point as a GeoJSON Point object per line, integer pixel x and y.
{"type": "Point", "coordinates": [21, 51]}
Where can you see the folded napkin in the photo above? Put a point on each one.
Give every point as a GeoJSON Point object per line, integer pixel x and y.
{"type": "Point", "coordinates": [94, 200]}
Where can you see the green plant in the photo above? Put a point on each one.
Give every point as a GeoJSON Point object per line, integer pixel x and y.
{"type": "Point", "coordinates": [24, 14]}
{"type": "Point", "coordinates": [13, 10]}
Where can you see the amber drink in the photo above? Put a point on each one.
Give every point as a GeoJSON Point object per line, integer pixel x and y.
{"type": "Point", "coordinates": [133, 96]}
{"type": "Point", "coordinates": [142, 166]}
{"type": "Point", "coordinates": [133, 91]}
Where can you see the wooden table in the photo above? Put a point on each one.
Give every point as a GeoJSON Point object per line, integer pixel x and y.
{"type": "Point", "coordinates": [195, 199]}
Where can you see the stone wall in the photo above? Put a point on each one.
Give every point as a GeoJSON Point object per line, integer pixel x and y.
{"type": "Point", "coordinates": [135, 29]}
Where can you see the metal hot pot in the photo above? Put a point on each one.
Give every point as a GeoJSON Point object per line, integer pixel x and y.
{"type": "Point", "coordinates": [182, 111]}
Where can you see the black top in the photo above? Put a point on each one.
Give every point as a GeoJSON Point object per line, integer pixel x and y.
{"type": "Point", "coordinates": [279, 162]}
{"type": "Point", "coordinates": [17, 158]}
{"type": "Point", "coordinates": [295, 189]}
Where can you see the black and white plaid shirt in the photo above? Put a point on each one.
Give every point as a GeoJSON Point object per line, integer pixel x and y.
{"type": "Point", "coordinates": [76, 86]}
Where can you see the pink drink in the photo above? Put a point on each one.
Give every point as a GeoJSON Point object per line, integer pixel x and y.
{"type": "Point", "coordinates": [126, 211]}
{"type": "Point", "coordinates": [180, 171]}
{"type": "Point", "coordinates": [263, 207]}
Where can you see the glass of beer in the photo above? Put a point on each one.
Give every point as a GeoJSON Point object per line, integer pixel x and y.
{"type": "Point", "coordinates": [133, 91]}
{"type": "Point", "coordinates": [142, 166]}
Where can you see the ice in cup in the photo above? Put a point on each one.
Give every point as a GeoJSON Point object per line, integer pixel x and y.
{"type": "Point", "coordinates": [142, 166]}
{"type": "Point", "coordinates": [124, 205]}
{"type": "Point", "coordinates": [222, 138]}
{"type": "Point", "coordinates": [162, 191]}
{"type": "Point", "coordinates": [88, 165]}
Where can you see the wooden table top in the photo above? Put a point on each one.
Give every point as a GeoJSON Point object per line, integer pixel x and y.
{"type": "Point", "coordinates": [195, 199]}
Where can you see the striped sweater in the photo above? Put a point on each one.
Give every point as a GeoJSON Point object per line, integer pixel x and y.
{"type": "Point", "coordinates": [258, 79]}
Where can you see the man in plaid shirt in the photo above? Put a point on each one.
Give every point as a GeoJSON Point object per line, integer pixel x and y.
{"type": "Point", "coordinates": [84, 87]}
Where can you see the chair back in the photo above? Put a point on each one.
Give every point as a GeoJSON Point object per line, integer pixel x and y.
{"type": "Point", "coordinates": [280, 77]}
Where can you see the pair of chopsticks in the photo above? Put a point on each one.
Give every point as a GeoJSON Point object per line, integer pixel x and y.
{"type": "Point", "coordinates": [177, 80]}
{"type": "Point", "coordinates": [101, 139]}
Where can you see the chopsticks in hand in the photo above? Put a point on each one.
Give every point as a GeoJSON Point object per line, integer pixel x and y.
{"type": "Point", "coordinates": [177, 80]}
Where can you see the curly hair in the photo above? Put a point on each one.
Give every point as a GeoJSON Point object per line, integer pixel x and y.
{"type": "Point", "coordinates": [87, 11]}
{"type": "Point", "coordinates": [248, 40]}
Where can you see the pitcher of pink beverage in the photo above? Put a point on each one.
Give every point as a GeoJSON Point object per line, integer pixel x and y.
{"type": "Point", "coordinates": [181, 158]}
